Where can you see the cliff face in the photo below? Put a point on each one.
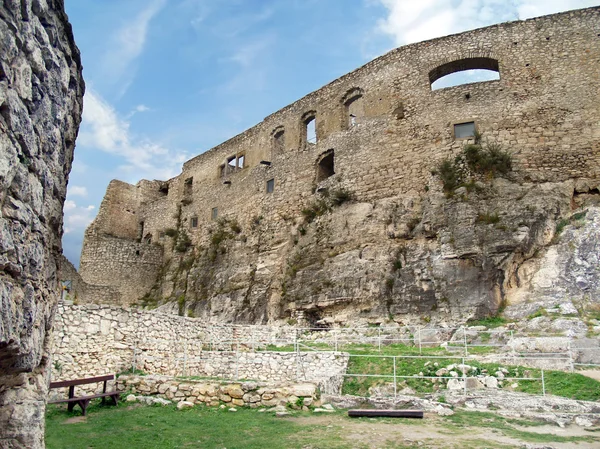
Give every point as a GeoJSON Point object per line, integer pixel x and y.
{"type": "Point", "coordinates": [390, 212]}
{"type": "Point", "coordinates": [425, 259]}
{"type": "Point", "coordinates": [41, 96]}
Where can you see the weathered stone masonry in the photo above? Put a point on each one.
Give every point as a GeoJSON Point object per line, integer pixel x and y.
{"type": "Point", "coordinates": [380, 131]}
{"type": "Point", "coordinates": [92, 339]}
{"type": "Point", "coordinates": [41, 95]}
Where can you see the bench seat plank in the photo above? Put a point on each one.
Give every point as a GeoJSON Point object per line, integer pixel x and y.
{"type": "Point", "coordinates": [387, 413]}
{"type": "Point", "coordinates": [75, 382]}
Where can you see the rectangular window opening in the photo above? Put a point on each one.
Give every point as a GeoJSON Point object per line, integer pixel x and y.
{"type": "Point", "coordinates": [270, 185]}
{"type": "Point", "coordinates": [464, 130]}
{"type": "Point", "coordinates": [240, 161]}
{"type": "Point", "coordinates": [214, 213]}
{"type": "Point", "coordinates": [194, 222]}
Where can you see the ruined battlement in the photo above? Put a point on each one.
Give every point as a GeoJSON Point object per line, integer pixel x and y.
{"type": "Point", "coordinates": [379, 132]}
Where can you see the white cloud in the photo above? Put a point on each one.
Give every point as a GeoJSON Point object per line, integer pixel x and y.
{"type": "Point", "coordinates": [78, 191]}
{"type": "Point", "coordinates": [77, 218]}
{"type": "Point", "coordinates": [128, 43]}
{"type": "Point", "coordinates": [408, 21]}
{"type": "Point", "coordinates": [102, 129]}
{"type": "Point", "coordinates": [532, 8]}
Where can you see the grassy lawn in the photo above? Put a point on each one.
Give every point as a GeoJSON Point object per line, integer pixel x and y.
{"type": "Point", "coordinates": [136, 426]}
{"type": "Point", "coordinates": [129, 427]}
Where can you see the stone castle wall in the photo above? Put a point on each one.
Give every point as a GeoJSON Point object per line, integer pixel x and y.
{"type": "Point", "coordinates": [41, 100]}
{"type": "Point", "coordinates": [92, 340]}
{"type": "Point", "coordinates": [543, 109]}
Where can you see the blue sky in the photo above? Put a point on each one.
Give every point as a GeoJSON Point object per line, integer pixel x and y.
{"type": "Point", "coordinates": [169, 79]}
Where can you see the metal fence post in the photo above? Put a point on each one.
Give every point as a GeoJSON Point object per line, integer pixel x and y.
{"type": "Point", "coordinates": [252, 337]}
{"type": "Point", "coordinates": [419, 332]}
{"type": "Point", "coordinates": [571, 363]}
{"type": "Point", "coordinates": [379, 338]}
{"type": "Point", "coordinates": [465, 342]}
{"type": "Point", "coordinates": [395, 383]}
{"type": "Point", "coordinates": [185, 354]}
{"type": "Point", "coordinates": [464, 375]}
{"type": "Point", "coordinates": [134, 361]}
{"type": "Point", "coordinates": [335, 338]}
{"type": "Point", "coordinates": [543, 384]}
{"type": "Point", "coordinates": [237, 361]}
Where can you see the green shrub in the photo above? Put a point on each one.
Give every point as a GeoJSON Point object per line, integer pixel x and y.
{"type": "Point", "coordinates": [339, 196]}
{"type": "Point", "coordinates": [488, 159]}
{"type": "Point", "coordinates": [489, 218]}
{"type": "Point", "coordinates": [450, 174]}
{"type": "Point", "coordinates": [183, 242]}
{"type": "Point", "coordinates": [171, 232]}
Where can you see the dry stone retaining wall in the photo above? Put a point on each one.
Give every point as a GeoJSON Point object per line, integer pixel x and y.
{"type": "Point", "coordinates": [250, 394]}
{"type": "Point", "coordinates": [92, 340]}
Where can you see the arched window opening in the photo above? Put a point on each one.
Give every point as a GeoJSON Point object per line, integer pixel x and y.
{"type": "Point", "coordinates": [464, 71]}
{"type": "Point", "coordinates": [278, 141]}
{"type": "Point", "coordinates": [309, 129]}
{"type": "Point", "coordinates": [325, 166]}
{"type": "Point", "coordinates": [187, 186]}
{"type": "Point", "coordinates": [354, 110]}
{"type": "Point", "coordinates": [353, 107]}
{"type": "Point", "coordinates": [148, 238]}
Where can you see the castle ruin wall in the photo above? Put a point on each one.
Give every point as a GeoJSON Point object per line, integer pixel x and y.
{"type": "Point", "coordinates": [544, 109]}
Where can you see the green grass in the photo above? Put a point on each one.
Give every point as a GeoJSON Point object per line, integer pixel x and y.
{"type": "Point", "coordinates": [559, 383]}
{"type": "Point", "coordinates": [127, 427]}
{"type": "Point", "coordinates": [154, 427]}
{"type": "Point", "coordinates": [490, 322]}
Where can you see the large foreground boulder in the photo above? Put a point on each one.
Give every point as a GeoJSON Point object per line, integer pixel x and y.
{"type": "Point", "coordinates": [41, 100]}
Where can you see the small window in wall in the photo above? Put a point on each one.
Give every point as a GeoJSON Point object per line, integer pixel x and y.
{"type": "Point", "coordinates": [464, 71]}
{"type": "Point", "coordinates": [194, 222]}
{"type": "Point", "coordinates": [308, 129]}
{"type": "Point", "coordinates": [278, 141]}
{"type": "Point", "coordinates": [164, 188]}
{"type": "Point", "coordinates": [464, 130]}
{"type": "Point", "coordinates": [325, 167]}
{"type": "Point", "coordinates": [270, 185]}
{"type": "Point", "coordinates": [231, 163]}
{"type": "Point", "coordinates": [187, 186]}
{"type": "Point", "coordinates": [240, 161]}
{"type": "Point", "coordinates": [148, 238]}
{"type": "Point", "coordinates": [214, 213]}
{"type": "Point", "coordinates": [311, 131]}
{"type": "Point", "coordinates": [161, 235]}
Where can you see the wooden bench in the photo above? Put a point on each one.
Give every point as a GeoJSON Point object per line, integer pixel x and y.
{"type": "Point", "coordinates": [83, 401]}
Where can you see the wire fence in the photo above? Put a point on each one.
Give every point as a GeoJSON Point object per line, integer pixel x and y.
{"type": "Point", "coordinates": [190, 357]}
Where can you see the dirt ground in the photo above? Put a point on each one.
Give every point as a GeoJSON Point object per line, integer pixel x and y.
{"type": "Point", "coordinates": [436, 432]}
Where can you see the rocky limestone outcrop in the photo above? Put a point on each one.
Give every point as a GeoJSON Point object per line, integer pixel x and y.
{"type": "Point", "coordinates": [41, 96]}
{"type": "Point", "coordinates": [429, 257]}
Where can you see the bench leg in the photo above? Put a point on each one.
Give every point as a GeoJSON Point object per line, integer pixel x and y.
{"type": "Point", "coordinates": [115, 398]}
{"type": "Point", "coordinates": [83, 404]}
{"type": "Point", "coordinates": [70, 406]}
